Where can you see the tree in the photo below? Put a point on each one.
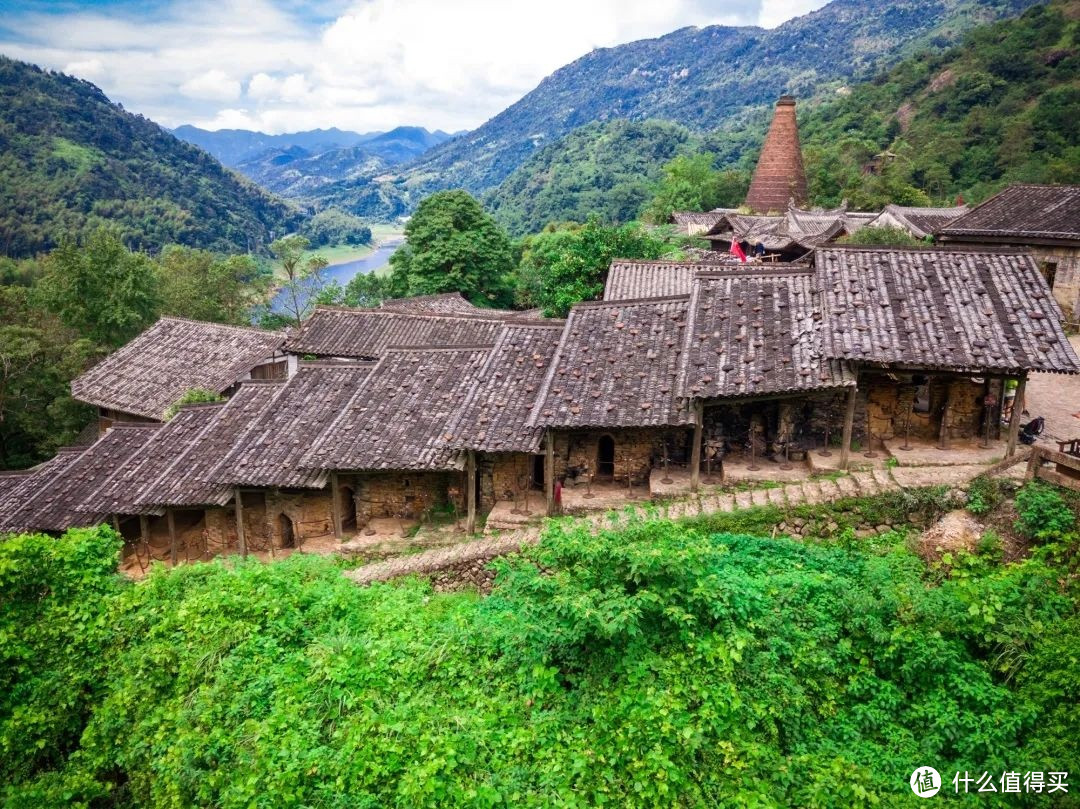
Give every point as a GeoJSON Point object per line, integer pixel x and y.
{"type": "Point", "coordinates": [192, 396]}
{"type": "Point", "coordinates": [100, 289]}
{"type": "Point", "coordinates": [691, 183]}
{"type": "Point", "coordinates": [453, 245]}
{"type": "Point", "coordinates": [579, 264]}
{"type": "Point", "coordinates": [303, 279]}
{"type": "Point", "coordinates": [204, 286]}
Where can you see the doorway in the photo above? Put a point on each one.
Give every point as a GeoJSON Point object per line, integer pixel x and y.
{"type": "Point", "coordinates": [538, 472]}
{"type": "Point", "coordinates": [348, 509]}
{"type": "Point", "coordinates": [605, 457]}
{"type": "Point", "coordinates": [285, 527]}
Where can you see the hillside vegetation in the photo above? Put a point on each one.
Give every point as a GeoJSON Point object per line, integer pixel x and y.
{"type": "Point", "coordinates": [658, 665]}
{"type": "Point", "coordinates": [702, 78]}
{"type": "Point", "coordinates": [71, 161]}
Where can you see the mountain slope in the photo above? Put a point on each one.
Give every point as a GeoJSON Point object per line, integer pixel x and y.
{"type": "Point", "coordinates": [70, 160]}
{"type": "Point", "coordinates": [233, 146]}
{"type": "Point", "coordinates": [701, 78]}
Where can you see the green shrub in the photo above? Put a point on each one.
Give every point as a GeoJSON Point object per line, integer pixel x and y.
{"type": "Point", "coordinates": [1043, 513]}
{"type": "Point", "coordinates": [984, 495]}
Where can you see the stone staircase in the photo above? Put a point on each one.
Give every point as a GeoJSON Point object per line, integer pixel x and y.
{"type": "Point", "coordinates": [811, 491]}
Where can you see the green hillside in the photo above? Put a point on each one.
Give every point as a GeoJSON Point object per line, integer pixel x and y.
{"type": "Point", "coordinates": [71, 160]}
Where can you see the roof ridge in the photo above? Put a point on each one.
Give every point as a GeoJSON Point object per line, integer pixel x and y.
{"type": "Point", "coordinates": [628, 302]}
{"type": "Point", "coordinates": [442, 347]}
{"type": "Point", "coordinates": [232, 326]}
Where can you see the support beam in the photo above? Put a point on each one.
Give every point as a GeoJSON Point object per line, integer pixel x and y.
{"type": "Point", "coordinates": [943, 430]}
{"type": "Point", "coordinates": [849, 423]}
{"type": "Point", "coordinates": [239, 508]}
{"type": "Point", "coordinates": [1017, 416]}
{"type": "Point", "coordinates": [144, 529]}
{"type": "Point", "coordinates": [470, 493]}
{"type": "Point", "coordinates": [549, 471]}
{"type": "Point", "coordinates": [172, 535]}
{"type": "Point", "coordinates": [695, 448]}
{"type": "Point", "coordinates": [335, 501]}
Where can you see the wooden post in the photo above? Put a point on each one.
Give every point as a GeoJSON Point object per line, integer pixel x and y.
{"type": "Point", "coordinates": [144, 529]}
{"type": "Point", "coordinates": [849, 422]}
{"type": "Point", "coordinates": [470, 493]}
{"type": "Point", "coordinates": [335, 500]}
{"type": "Point", "coordinates": [695, 448]}
{"type": "Point", "coordinates": [172, 536]}
{"type": "Point", "coordinates": [943, 430]}
{"type": "Point", "coordinates": [549, 470]}
{"type": "Point", "coordinates": [240, 538]}
{"type": "Point", "coordinates": [1017, 415]}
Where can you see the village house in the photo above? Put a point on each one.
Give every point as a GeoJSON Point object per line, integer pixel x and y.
{"type": "Point", "coordinates": [918, 223]}
{"type": "Point", "coordinates": [140, 381]}
{"type": "Point", "coordinates": [1044, 219]}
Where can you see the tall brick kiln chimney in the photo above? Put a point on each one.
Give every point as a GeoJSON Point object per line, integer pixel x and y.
{"type": "Point", "coordinates": [779, 176]}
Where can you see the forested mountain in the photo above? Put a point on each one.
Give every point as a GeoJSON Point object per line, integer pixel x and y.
{"type": "Point", "coordinates": [702, 78]}
{"type": "Point", "coordinates": [297, 171]}
{"type": "Point", "coordinates": [71, 160]}
{"type": "Point", "coordinates": [1001, 107]}
{"type": "Point", "coordinates": [607, 170]}
{"type": "Point", "coordinates": [233, 146]}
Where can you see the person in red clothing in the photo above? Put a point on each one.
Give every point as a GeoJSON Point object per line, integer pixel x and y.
{"type": "Point", "coordinates": [558, 496]}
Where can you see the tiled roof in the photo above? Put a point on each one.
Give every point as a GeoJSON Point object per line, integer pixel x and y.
{"type": "Point", "coordinates": [193, 478]}
{"type": "Point", "coordinates": [449, 303]}
{"type": "Point", "coordinates": [271, 451]}
{"type": "Point", "coordinates": [399, 418]}
{"type": "Point", "coordinates": [755, 333]}
{"type": "Point", "coordinates": [494, 415]}
{"type": "Point", "coordinates": [632, 280]}
{"type": "Point", "coordinates": [368, 333]}
{"type": "Point", "coordinates": [52, 503]}
{"type": "Point", "coordinates": [16, 488]}
{"type": "Point", "coordinates": [1049, 212]}
{"type": "Point", "coordinates": [616, 366]}
{"type": "Point", "coordinates": [701, 218]}
{"type": "Point", "coordinates": [954, 310]}
{"type": "Point", "coordinates": [173, 356]}
{"type": "Point", "coordinates": [919, 222]}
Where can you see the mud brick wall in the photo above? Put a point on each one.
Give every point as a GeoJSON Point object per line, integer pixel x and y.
{"type": "Point", "coordinates": [1066, 276]}
{"type": "Point", "coordinates": [635, 449]}
{"type": "Point", "coordinates": [507, 473]}
{"type": "Point", "coordinates": [888, 404]}
{"type": "Point", "coordinates": [311, 514]}
{"type": "Point", "coordinates": [398, 494]}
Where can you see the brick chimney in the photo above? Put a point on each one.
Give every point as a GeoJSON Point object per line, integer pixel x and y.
{"type": "Point", "coordinates": [779, 176]}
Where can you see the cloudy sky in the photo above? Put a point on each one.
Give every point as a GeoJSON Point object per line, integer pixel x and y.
{"type": "Point", "coordinates": [289, 65]}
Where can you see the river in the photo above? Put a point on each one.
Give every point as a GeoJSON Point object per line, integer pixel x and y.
{"type": "Point", "coordinates": [345, 271]}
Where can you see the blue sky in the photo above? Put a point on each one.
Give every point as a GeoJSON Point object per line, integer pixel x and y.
{"type": "Point", "coordinates": [287, 65]}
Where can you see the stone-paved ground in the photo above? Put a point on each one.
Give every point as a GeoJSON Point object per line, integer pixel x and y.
{"type": "Point", "coordinates": [809, 492]}
{"type": "Point", "coordinates": [1056, 397]}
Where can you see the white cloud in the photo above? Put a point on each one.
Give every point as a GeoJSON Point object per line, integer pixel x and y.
{"type": "Point", "coordinates": [213, 85]}
{"type": "Point", "coordinates": [774, 12]}
{"type": "Point", "coordinates": [368, 64]}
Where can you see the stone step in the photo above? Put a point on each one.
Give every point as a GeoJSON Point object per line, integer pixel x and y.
{"type": "Point", "coordinates": [829, 490]}
{"type": "Point", "coordinates": [743, 500]}
{"type": "Point", "coordinates": [776, 497]}
{"type": "Point", "coordinates": [812, 492]}
{"type": "Point", "coordinates": [847, 486]}
{"type": "Point", "coordinates": [726, 503]}
{"type": "Point", "coordinates": [794, 494]}
{"type": "Point", "coordinates": [884, 479]}
{"type": "Point", "coordinates": [867, 484]}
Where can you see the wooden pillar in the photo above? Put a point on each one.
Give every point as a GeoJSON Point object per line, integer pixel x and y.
{"type": "Point", "coordinates": [549, 471]}
{"type": "Point", "coordinates": [240, 538]}
{"type": "Point", "coordinates": [172, 535]}
{"type": "Point", "coordinates": [1017, 415]}
{"type": "Point", "coordinates": [335, 501]}
{"type": "Point", "coordinates": [144, 529]}
{"type": "Point", "coordinates": [695, 448]}
{"type": "Point", "coordinates": [849, 423]}
{"type": "Point", "coordinates": [943, 430]}
{"type": "Point", "coordinates": [470, 493]}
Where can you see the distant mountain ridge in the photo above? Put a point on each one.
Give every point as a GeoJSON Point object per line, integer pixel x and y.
{"type": "Point", "coordinates": [71, 161]}
{"type": "Point", "coordinates": [702, 78]}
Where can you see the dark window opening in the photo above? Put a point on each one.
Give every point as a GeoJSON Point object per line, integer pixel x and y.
{"type": "Point", "coordinates": [348, 509]}
{"type": "Point", "coordinates": [1049, 272]}
{"type": "Point", "coordinates": [605, 457]}
{"type": "Point", "coordinates": [538, 472]}
{"type": "Point", "coordinates": [288, 536]}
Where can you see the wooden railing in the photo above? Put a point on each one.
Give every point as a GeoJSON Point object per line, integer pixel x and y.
{"type": "Point", "coordinates": [1070, 447]}
{"type": "Point", "coordinates": [1066, 465]}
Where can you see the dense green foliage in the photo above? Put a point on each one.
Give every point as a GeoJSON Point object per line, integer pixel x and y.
{"type": "Point", "coordinates": [565, 265]}
{"type": "Point", "coordinates": [71, 161]}
{"type": "Point", "coordinates": [334, 226]}
{"type": "Point", "coordinates": [453, 245]}
{"type": "Point", "coordinates": [1043, 512]}
{"type": "Point", "coordinates": [1000, 108]}
{"type": "Point", "coordinates": [881, 236]}
{"type": "Point", "coordinates": [657, 665]}
{"type": "Point", "coordinates": [192, 396]}
{"type": "Point", "coordinates": [606, 170]}
{"type": "Point", "coordinates": [692, 183]}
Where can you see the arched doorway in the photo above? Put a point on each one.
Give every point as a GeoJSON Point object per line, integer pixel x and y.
{"type": "Point", "coordinates": [285, 528]}
{"type": "Point", "coordinates": [348, 509]}
{"type": "Point", "coordinates": [605, 457]}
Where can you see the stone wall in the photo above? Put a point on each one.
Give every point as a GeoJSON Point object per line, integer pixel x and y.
{"type": "Point", "coordinates": [405, 494]}
{"type": "Point", "coordinates": [637, 450]}
{"type": "Point", "coordinates": [889, 402]}
{"type": "Point", "coordinates": [508, 472]}
{"type": "Point", "coordinates": [1066, 276]}
{"type": "Point", "coordinates": [805, 420]}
